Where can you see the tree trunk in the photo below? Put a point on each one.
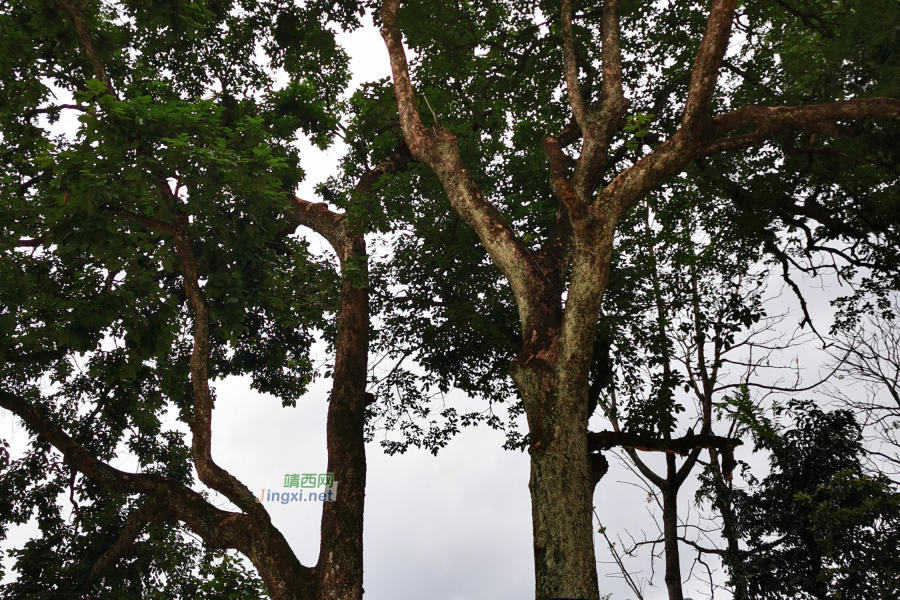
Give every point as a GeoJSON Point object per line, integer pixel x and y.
{"type": "Point", "coordinates": [732, 557]}
{"type": "Point", "coordinates": [339, 571]}
{"type": "Point", "coordinates": [561, 484]}
{"type": "Point", "coordinates": [670, 532]}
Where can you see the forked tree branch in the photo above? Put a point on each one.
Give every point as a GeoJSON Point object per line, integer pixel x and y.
{"type": "Point", "coordinates": [319, 218]}
{"type": "Point", "coordinates": [765, 122]}
{"type": "Point", "coordinates": [338, 574]}
{"type": "Point", "coordinates": [604, 121]}
{"type": "Point", "coordinates": [257, 540]}
{"type": "Point", "coordinates": [439, 150]}
{"type": "Point", "coordinates": [669, 158]}
{"type": "Point", "coordinates": [600, 122]}
{"type": "Point", "coordinates": [333, 226]}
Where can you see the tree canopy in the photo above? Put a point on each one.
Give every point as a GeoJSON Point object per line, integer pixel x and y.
{"type": "Point", "coordinates": [565, 193]}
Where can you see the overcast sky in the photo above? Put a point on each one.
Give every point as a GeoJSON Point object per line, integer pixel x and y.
{"type": "Point", "coordinates": [452, 527]}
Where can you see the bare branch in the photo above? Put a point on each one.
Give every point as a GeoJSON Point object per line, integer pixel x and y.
{"type": "Point", "coordinates": [700, 548]}
{"type": "Point", "coordinates": [626, 575]}
{"type": "Point", "coordinates": [604, 440]}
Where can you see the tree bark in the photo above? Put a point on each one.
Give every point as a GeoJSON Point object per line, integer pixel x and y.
{"type": "Point", "coordinates": [561, 487]}
{"type": "Point", "coordinates": [732, 556]}
{"type": "Point", "coordinates": [670, 532]}
{"type": "Point", "coordinates": [551, 373]}
{"type": "Point", "coordinates": [339, 571]}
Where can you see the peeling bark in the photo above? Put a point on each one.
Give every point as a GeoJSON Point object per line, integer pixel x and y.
{"type": "Point", "coordinates": [561, 486]}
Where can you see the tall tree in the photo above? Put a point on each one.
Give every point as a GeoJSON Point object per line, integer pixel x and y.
{"type": "Point", "coordinates": [147, 250]}
{"type": "Point", "coordinates": [654, 93]}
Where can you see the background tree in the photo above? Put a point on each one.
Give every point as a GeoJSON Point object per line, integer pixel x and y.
{"type": "Point", "coordinates": [817, 526]}
{"type": "Point", "coordinates": [685, 308]}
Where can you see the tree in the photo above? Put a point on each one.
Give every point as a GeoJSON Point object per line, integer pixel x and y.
{"type": "Point", "coordinates": [685, 308]}
{"type": "Point", "coordinates": [756, 119]}
{"type": "Point", "coordinates": [147, 250]}
{"type": "Point", "coordinates": [869, 354]}
{"type": "Point", "coordinates": [817, 526]}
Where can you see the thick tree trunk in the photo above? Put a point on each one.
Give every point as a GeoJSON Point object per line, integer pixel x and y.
{"type": "Point", "coordinates": [339, 572]}
{"type": "Point", "coordinates": [561, 484]}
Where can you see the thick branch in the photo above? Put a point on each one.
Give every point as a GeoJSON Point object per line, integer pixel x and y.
{"type": "Point", "coordinates": [260, 542]}
{"type": "Point", "coordinates": [318, 217]}
{"type": "Point", "coordinates": [611, 55]}
{"type": "Point", "coordinates": [633, 183]}
{"type": "Point", "coordinates": [208, 471]}
{"type": "Point", "coordinates": [604, 440]}
{"type": "Point", "coordinates": [87, 42]}
{"type": "Point", "coordinates": [559, 163]}
{"type": "Point", "coordinates": [439, 149]}
{"type": "Point", "coordinates": [332, 225]}
{"type": "Point", "coordinates": [707, 64]}
{"type": "Point", "coordinates": [764, 122]}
